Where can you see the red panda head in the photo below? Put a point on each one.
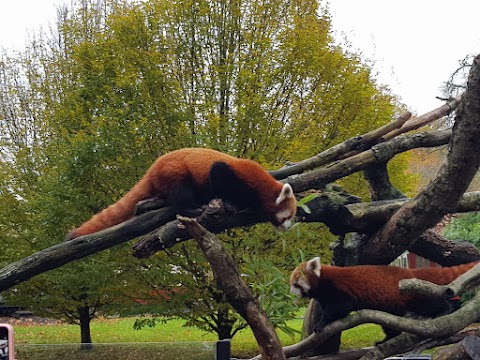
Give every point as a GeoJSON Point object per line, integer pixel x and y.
{"type": "Point", "coordinates": [305, 277]}
{"type": "Point", "coordinates": [285, 208]}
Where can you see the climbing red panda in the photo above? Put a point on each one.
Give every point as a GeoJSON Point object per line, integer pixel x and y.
{"type": "Point", "coordinates": [340, 290]}
{"type": "Point", "coordinates": [191, 177]}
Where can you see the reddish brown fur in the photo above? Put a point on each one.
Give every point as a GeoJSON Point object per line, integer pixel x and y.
{"type": "Point", "coordinates": [172, 168]}
{"type": "Point", "coordinates": [372, 286]}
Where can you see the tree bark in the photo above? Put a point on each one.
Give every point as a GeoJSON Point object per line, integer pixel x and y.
{"type": "Point", "coordinates": [380, 153]}
{"type": "Point", "coordinates": [418, 330]}
{"type": "Point", "coordinates": [468, 348]}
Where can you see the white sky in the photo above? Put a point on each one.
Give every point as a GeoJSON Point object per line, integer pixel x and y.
{"type": "Point", "coordinates": [415, 44]}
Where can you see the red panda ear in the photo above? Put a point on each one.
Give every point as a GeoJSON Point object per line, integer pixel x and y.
{"type": "Point", "coordinates": [314, 265]}
{"type": "Point", "coordinates": [287, 192]}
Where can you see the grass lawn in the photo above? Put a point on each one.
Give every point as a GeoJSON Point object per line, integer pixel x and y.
{"type": "Point", "coordinates": [116, 339]}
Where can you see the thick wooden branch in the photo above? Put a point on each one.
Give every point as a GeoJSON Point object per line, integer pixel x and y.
{"type": "Point", "coordinates": [425, 119]}
{"type": "Point", "coordinates": [380, 153]}
{"type": "Point", "coordinates": [335, 210]}
{"type": "Point", "coordinates": [431, 245]}
{"type": "Point", "coordinates": [215, 218]}
{"type": "Point", "coordinates": [63, 253]}
{"type": "Point", "coordinates": [379, 184]}
{"type": "Point", "coordinates": [339, 211]}
{"type": "Point", "coordinates": [369, 217]}
{"type": "Point", "coordinates": [239, 296]}
{"type": "Point", "coordinates": [441, 195]}
{"type": "Point", "coordinates": [363, 142]}
{"type": "Point", "coordinates": [338, 151]}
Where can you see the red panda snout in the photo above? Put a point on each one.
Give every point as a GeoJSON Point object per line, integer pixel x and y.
{"type": "Point", "coordinates": [300, 288]}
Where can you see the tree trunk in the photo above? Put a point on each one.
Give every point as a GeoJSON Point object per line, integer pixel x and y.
{"type": "Point", "coordinates": [86, 338]}
{"type": "Point", "coordinates": [225, 326]}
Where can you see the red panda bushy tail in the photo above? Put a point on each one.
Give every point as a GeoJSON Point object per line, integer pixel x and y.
{"type": "Point", "coordinates": [116, 213]}
{"type": "Point", "coordinates": [443, 276]}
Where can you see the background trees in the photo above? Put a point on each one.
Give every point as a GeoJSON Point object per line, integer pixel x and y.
{"type": "Point", "coordinates": [86, 109]}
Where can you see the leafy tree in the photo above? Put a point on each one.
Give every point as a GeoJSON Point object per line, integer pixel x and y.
{"type": "Point", "coordinates": [84, 112]}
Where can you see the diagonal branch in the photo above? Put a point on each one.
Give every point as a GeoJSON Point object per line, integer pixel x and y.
{"type": "Point", "coordinates": [228, 279]}
{"type": "Point", "coordinates": [380, 153]}
{"type": "Point", "coordinates": [363, 142]}
{"type": "Point", "coordinates": [83, 246]}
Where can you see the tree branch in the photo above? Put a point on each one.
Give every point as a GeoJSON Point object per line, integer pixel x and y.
{"type": "Point", "coordinates": [437, 248]}
{"type": "Point", "coordinates": [356, 143]}
{"type": "Point", "coordinates": [229, 280]}
{"type": "Point", "coordinates": [83, 246]}
{"type": "Point", "coordinates": [363, 142]}
{"type": "Point", "coordinates": [465, 282]}
{"type": "Point", "coordinates": [380, 153]}
{"type": "Point", "coordinates": [440, 327]}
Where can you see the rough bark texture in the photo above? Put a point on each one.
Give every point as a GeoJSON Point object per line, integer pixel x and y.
{"type": "Point", "coordinates": [435, 247]}
{"type": "Point", "coordinates": [229, 280]}
{"type": "Point", "coordinates": [418, 330]}
{"type": "Point", "coordinates": [351, 145]}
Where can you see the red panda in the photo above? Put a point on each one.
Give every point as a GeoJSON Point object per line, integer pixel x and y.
{"type": "Point", "coordinates": [191, 177]}
{"type": "Point", "coordinates": [340, 290]}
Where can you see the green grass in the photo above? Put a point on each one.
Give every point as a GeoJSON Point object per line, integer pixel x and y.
{"type": "Point", "coordinates": [116, 339]}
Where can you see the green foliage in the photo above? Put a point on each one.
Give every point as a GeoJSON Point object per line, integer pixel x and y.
{"type": "Point", "coordinates": [465, 227]}
{"type": "Point", "coordinates": [271, 288]}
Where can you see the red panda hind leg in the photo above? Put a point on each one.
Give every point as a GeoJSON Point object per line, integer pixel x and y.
{"type": "Point", "coordinates": [185, 199]}
{"type": "Point", "coordinates": [147, 205]}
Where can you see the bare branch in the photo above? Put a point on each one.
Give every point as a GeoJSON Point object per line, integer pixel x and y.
{"type": "Point", "coordinates": [334, 153]}
{"type": "Point", "coordinates": [316, 179]}
{"type": "Point", "coordinates": [445, 252]}
{"type": "Point", "coordinates": [427, 118]}
{"type": "Point", "coordinates": [229, 280]}
{"type": "Point", "coordinates": [83, 246]}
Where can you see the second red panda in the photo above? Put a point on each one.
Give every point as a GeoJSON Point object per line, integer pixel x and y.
{"type": "Point", "coordinates": [188, 178]}
{"type": "Point", "coordinates": [341, 290]}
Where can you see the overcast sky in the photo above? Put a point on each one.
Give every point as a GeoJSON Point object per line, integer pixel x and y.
{"type": "Point", "coordinates": [415, 44]}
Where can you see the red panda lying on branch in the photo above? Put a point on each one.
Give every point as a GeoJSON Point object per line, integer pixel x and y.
{"type": "Point", "coordinates": [189, 178]}
{"type": "Point", "coordinates": [340, 290]}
